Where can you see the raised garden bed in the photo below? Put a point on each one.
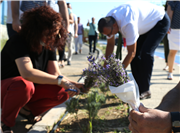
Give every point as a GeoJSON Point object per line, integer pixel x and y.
{"type": "Point", "coordinates": [112, 117]}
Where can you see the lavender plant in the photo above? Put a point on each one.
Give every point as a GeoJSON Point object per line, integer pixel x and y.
{"type": "Point", "coordinates": [113, 74]}
{"type": "Point", "coordinates": [93, 74]}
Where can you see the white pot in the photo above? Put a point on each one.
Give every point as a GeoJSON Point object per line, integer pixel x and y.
{"type": "Point", "coordinates": [128, 92]}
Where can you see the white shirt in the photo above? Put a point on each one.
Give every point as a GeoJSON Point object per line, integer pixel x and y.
{"type": "Point", "coordinates": [136, 18]}
{"type": "Point", "coordinates": [71, 26]}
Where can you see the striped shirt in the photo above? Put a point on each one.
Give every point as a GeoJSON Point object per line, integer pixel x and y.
{"type": "Point", "coordinates": [29, 4]}
{"type": "Point", "coordinates": [175, 7]}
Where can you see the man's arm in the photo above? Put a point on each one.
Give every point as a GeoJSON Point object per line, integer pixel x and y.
{"type": "Point", "coordinates": [64, 12]}
{"type": "Point", "coordinates": [171, 101]}
{"type": "Point", "coordinates": [109, 47]}
{"type": "Point", "coordinates": [88, 23]}
{"type": "Point", "coordinates": [16, 25]}
{"type": "Point", "coordinates": [131, 54]}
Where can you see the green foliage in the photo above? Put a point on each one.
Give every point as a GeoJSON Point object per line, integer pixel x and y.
{"type": "Point", "coordinates": [72, 106]}
{"type": "Point", "coordinates": [104, 87]}
{"type": "Point", "coordinates": [90, 127]}
{"type": "Point", "coordinates": [3, 42]}
{"type": "Point", "coordinates": [101, 36]}
{"type": "Point", "coordinates": [94, 102]}
{"type": "Point", "coordinates": [86, 31]}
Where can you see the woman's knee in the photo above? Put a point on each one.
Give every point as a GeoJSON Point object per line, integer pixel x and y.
{"type": "Point", "coordinates": [25, 87]}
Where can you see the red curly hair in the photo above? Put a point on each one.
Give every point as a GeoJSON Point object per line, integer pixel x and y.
{"type": "Point", "coordinates": [39, 20]}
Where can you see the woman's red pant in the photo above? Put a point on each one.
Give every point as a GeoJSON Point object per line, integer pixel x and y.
{"type": "Point", "coordinates": [17, 92]}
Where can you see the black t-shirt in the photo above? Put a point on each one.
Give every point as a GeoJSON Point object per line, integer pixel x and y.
{"type": "Point", "coordinates": [16, 47]}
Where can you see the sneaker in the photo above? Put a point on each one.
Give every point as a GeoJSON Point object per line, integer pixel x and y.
{"type": "Point", "coordinates": [166, 68]}
{"type": "Point", "coordinates": [170, 76]}
{"type": "Point", "coordinates": [76, 53]}
{"type": "Point", "coordinates": [80, 51]}
{"type": "Point", "coordinates": [68, 63]}
{"type": "Point", "coordinates": [145, 95]}
{"type": "Point", "coordinates": [5, 128]}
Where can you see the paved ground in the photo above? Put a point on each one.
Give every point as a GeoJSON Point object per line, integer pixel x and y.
{"type": "Point", "coordinates": [159, 87]}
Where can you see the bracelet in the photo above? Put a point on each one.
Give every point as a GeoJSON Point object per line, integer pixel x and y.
{"type": "Point", "coordinates": [59, 79]}
{"type": "Point", "coordinates": [175, 119]}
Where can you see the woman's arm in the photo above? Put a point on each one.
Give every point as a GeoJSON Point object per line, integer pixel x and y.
{"type": "Point", "coordinates": [71, 19]}
{"type": "Point", "coordinates": [27, 71]}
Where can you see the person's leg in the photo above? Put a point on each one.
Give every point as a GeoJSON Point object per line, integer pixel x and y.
{"type": "Point", "coordinates": [90, 43]}
{"type": "Point", "coordinates": [171, 58]}
{"type": "Point", "coordinates": [46, 97]}
{"type": "Point", "coordinates": [136, 62]}
{"type": "Point", "coordinates": [166, 51]}
{"type": "Point", "coordinates": [174, 46]}
{"type": "Point", "coordinates": [80, 43]}
{"type": "Point", "coordinates": [70, 47]}
{"type": "Point", "coordinates": [15, 93]}
{"type": "Point", "coordinates": [61, 57]}
{"type": "Point", "coordinates": [95, 41]}
{"type": "Point", "coordinates": [76, 40]}
{"type": "Point", "coordinates": [10, 30]}
{"type": "Point", "coordinates": [153, 39]}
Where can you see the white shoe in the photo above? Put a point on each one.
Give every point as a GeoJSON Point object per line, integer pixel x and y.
{"type": "Point", "coordinates": [166, 68]}
{"type": "Point", "coordinates": [170, 76]}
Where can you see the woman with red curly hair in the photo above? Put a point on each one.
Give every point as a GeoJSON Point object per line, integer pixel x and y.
{"type": "Point", "coordinates": [31, 82]}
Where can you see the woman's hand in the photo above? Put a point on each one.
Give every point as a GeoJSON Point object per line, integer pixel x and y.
{"type": "Point", "coordinates": [169, 31]}
{"type": "Point", "coordinates": [79, 85]}
{"type": "Point", "coordinates": [68, 85]}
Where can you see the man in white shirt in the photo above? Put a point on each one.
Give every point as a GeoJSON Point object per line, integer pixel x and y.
{"type": "Point", "coordinates": [143, 25]}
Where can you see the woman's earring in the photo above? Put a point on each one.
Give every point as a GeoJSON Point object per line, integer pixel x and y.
{"type": "Point", "coordinates": [59, 35]}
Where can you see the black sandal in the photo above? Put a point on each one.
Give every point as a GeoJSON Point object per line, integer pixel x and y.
{"type": "Point", "coordinates": [5, 128]}
{"type": "Point", "coordinates": [30, 117]}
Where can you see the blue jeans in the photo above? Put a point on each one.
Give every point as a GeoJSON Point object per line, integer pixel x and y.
{"type": "Point", "coordinates": [142, 64]}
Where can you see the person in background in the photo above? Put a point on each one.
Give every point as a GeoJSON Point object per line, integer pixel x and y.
{"type": "Point", "coordinates": [31, 82]}
{"type": "Point", "coordinates": [79, 39]}
{"type": "Point", "coordinates": [166, 46]}
{"type": "Point", "coordinates": [10, 30]}
{"type": "Point", "coordinates": [173, 11]}
{"type": "Point", "coordinates": [29, 4]}
{"type": "Point", "coordinates": [143, 25]}
{"type": "Point", "coordinates": [92, 35]}
{"type": "Point", "coordinates": [72, 35]}
{"type": "Point", "coordinates": [164, 119]}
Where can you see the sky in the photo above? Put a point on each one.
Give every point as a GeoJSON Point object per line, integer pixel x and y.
{"type": "Point", "coordinates": [86, 9]}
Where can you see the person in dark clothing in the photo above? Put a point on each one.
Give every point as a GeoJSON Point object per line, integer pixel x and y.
{"type": "Point", "coordinates": [92, 35]}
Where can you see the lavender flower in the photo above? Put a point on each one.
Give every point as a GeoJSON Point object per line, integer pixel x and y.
{"type": "Point", "coordinates": [113, 74]}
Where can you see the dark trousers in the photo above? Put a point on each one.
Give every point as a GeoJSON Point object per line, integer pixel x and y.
{"type": "Point", "coordinates": [142, 64]}
{"type": "Point", "coordinates": [166, 48]}
{"type": "Point", "coordinates": [92, 38]}
{"type": "Point", "coordinates": [10, 30]}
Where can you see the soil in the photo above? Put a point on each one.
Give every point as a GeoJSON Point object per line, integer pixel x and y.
{"type": "Point", "coordinates": [111, 118]}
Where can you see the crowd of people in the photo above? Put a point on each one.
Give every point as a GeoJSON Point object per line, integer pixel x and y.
{"type": "Point", "coordinates": [31, 80]}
